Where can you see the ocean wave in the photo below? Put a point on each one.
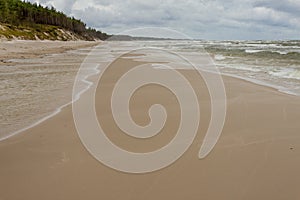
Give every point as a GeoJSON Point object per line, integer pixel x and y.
{"type": "Point", "coordinates": [288, 73]}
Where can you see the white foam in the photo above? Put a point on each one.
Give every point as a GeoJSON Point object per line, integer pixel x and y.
{"type": "Point", "coordinates": [253, 51]}
{"type": "Point", "coordinates": [219, 57]}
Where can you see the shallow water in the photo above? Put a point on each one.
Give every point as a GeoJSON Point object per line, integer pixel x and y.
{"type": "Point", "coordinates": [31, 89]}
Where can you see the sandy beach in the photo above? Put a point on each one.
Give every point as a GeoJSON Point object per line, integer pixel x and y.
{"type": "Point", "coordinates": [33, 49]}
{"type": "Point", "coordinates": [257, 156]}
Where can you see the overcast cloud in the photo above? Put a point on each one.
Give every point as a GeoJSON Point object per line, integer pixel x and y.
{"type": "Point", "coordinates": [202, 19]}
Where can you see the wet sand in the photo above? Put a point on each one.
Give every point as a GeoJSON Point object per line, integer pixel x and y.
{"type": "Point", "coordinates": [36, 77]}
{"type": "Point", "coordinates": [257, 156]}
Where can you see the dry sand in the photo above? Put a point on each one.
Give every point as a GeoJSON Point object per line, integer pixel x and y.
{"type": "Point", "coordinates": [257, 156]}
{"type": "Point", "coordinates": [32, 49]}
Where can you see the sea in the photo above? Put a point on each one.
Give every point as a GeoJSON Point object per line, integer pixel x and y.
{"type": "Point", "coordinates": [271, 63]}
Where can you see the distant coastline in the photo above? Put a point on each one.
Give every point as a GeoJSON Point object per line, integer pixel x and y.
{"type": "Point", "coordinates": [30, 21]}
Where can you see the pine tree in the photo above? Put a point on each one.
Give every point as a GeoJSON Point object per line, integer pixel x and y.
{"type": "Point", "coordinates": [17, 12]}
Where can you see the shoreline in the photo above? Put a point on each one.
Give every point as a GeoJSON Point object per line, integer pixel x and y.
{"type": "Point", "coordinates": [262, 83]}
{"type": "Point", "coordinates": [60, 108]}
{"type": "Point", "coordinates": [52, 50]}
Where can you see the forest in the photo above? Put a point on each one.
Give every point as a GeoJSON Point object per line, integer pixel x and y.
{"type": "Point", "coordinates": [22, 13]}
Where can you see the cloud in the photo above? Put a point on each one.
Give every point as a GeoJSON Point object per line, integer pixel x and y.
{"type": "Point", "coordinates": [288, 6]}
{"type": "Point", "coordinates": [63, 5]}
{"type": "Point", "coordinates": [208, 19]}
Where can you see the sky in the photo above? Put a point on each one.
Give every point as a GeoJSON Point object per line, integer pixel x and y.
{"type": "Point", "coordinates": [197, 19]}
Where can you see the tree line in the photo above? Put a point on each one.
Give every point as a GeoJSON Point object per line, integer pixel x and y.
{"type": "Point", "coordinates": [17, 12]}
